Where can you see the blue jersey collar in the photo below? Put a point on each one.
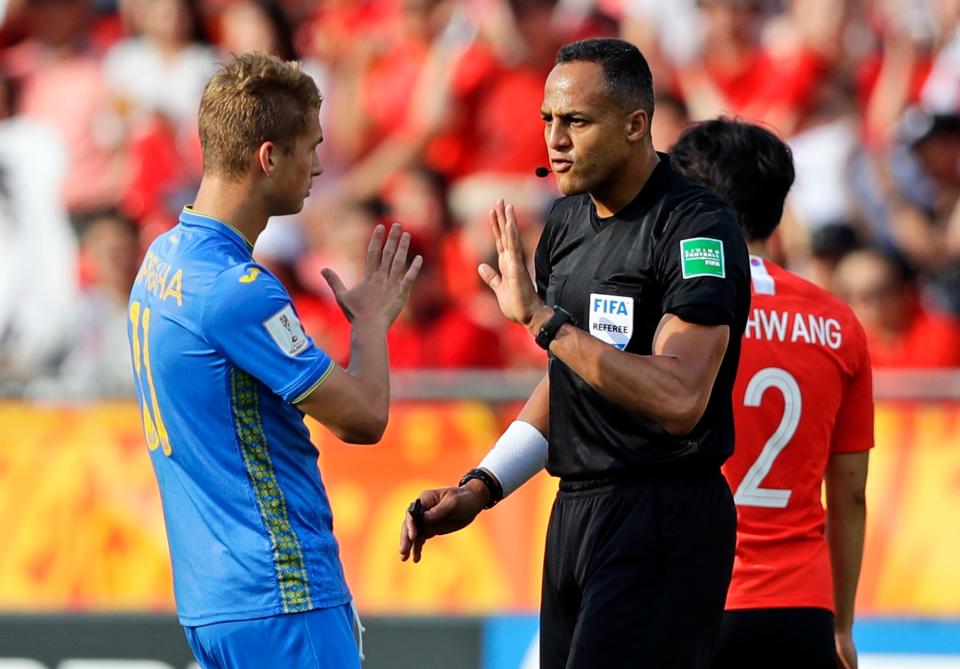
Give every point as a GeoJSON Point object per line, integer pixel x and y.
{"type": "Point", "coordinates": [190, 216]}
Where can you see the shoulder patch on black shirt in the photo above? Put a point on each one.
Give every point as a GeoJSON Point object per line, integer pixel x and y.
{"type": "Point", "coordinates": [702, 256]}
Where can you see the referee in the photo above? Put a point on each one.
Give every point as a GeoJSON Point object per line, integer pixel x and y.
{"type": "Point", "coordinates": [642, 293]}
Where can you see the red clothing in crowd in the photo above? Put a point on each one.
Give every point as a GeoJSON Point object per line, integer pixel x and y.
{"type": "Point", "coordinates": [931, 341]}
{"type": "Point", "coordinates": [450, 341]}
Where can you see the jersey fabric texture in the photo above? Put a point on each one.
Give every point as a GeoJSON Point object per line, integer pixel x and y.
{"type": "Point", "coordinates": [220, 359]}
{"type": "Point", "coordinates": [803, 392]}
{"type": "Point", "coordinates": [675, 249]}
{"type": "Point", "coordinates": [318, 639]}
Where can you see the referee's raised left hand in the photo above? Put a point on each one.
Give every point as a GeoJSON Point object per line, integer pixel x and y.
{"type": "Point", "coordinates": [512, 284]}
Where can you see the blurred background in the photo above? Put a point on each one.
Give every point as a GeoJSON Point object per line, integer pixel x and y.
{"type": "Point", "coordinates": [431, 112]}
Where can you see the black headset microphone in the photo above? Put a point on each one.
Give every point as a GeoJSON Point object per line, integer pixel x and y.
{"type": "Point", "coordinates": [542, 171]}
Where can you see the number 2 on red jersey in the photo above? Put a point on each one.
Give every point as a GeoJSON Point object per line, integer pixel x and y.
{"type": "Point", "coordinates": [750, 492]}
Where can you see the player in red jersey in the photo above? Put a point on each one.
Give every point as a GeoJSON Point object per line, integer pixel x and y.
{"type": "Point", "coordinates": [803, 411]}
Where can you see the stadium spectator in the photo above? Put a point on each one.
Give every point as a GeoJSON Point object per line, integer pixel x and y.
{"type": "Point", "coordinates": [894, 76]}
{"type": "Point", "coordinates": [61, 84]}
{"type": "Point", "coordinates": [414, 67]}
{"type": "Point", "coordinates": [38, 262]}
{"type": "Point", "coordinates": [162, 67]}
{"type": "Point", "coordinates": [97, 363]}
{"type": "Point", "coordinates": [828, 245]}
{"type": "Point", "coordinates": [738, 74]}
{"type": "Point", "coordinates": [669, 121]}
{"type": "Point", "coordinates": [824, 150]}
{"type": "Point", "coordinates": [669, 34]}
{"type": "Point", "coordinates": [452, 76]}
{"type": "Point", "coordinates": [941, 90]}
{"type": "Point", "coordinates": [901, 332]}
{"type": "Point", "coordinates": [436, 332]}
{"type": "Point", "coordinates": [418, 197]}
{"type": "Point", "coordinates": [927, 232]}
{"type": "Point", "coordinates": [256, 25]}
{"type": "Point", "coordinates": [525, 52]}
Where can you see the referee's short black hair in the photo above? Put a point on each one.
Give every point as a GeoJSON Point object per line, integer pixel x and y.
{"type": "Point", "coordinates": [629, 81]}
{"type": "Point", "coordinates": [747, 166]}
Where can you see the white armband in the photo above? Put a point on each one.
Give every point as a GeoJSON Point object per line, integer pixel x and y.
{"type": "Point", "coordinates": [520, 452]}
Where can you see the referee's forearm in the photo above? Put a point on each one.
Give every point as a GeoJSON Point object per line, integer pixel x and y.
{"type": "Point", "coordinates": [536, 411]}
{"type": "Point", "coordinates": [656, 386]}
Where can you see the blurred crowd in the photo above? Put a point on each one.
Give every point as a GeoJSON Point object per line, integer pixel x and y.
{"type": "Point", "coordinates": [431, 112]}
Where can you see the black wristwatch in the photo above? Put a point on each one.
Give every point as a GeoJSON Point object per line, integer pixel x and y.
{"type": "Point", "coordinates": [493, 485]}
{"type": "Point", "coordinates": [550, 329]}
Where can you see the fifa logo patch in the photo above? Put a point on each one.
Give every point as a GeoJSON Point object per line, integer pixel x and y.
{"type": "Point", "coordinates": [611, 319]}
{"type": "Point", "coordinates": [702, 256]}
{"type": "Point", "coordinates": [285, 329]}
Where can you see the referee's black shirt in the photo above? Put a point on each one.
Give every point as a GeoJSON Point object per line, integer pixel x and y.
{"type": "Point", "coordinates": [674, 249]}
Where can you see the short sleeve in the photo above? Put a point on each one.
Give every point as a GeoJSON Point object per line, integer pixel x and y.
{"type": "Point", "coordinates": [249, 318]}
{"type": "Point", "coordinates": [853, 429]}
{"type": "Point", "coordinates": [703, 265]}
{"type": "Point", "coordinates": [541, 257]}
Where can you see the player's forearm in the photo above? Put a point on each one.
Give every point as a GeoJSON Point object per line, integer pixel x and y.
{"type": "Point", "coordinates": [846, 522]}
{"type": "Point", "coordinates": [656, 386]}
{"type": "Point", "coordinates": [369, 366]}
{"type": "Point", "coordinates": [845, 533]}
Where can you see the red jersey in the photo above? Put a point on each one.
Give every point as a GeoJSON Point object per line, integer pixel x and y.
{"type": "Point", "coordinates": [803, 392]}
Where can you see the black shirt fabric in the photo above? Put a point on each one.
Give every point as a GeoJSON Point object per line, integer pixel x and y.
{"type": "Point", "coordinates": [618, 276]}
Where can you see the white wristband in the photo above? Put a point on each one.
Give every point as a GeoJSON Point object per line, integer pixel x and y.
{"type": "Point", "coordinates": [520, 452]}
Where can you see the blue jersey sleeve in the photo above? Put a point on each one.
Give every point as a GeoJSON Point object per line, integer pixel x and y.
{"type": "Point", "coordinates": [249, 318]}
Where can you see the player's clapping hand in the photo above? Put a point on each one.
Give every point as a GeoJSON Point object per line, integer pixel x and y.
{"type": "Point", "coordinates": [446, 510]}
{"type": "Point", "coordinates": [512, 285]}
{"type": "Point", "coordinates": [386, 282]}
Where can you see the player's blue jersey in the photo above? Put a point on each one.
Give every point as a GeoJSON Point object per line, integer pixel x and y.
{"type": "Point", "coordinates": [220, 359]}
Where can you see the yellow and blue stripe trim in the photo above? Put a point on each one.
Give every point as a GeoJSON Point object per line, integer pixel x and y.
{"type": "Point", "coordinates": [288, 559]}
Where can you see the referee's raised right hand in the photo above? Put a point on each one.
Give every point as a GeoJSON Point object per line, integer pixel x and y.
{"type": "Point", "coordinates": [446, 510]}
{"type": "Point", "coordinates": [512, 284]}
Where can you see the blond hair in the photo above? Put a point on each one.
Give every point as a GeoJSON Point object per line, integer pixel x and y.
{"type": "Point", "coordinates": [254, 99]}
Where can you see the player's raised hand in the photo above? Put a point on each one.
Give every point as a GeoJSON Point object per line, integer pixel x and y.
{"type": "Point", "coordinates": [386, 281]}
{"type": "Point", "coordinates": [446, 510]}
{"type": "Point", "coordinates": [512, 284]}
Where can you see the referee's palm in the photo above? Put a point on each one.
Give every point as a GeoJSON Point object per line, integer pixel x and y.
{"type": "Point", "coordinates": [512, 285]}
